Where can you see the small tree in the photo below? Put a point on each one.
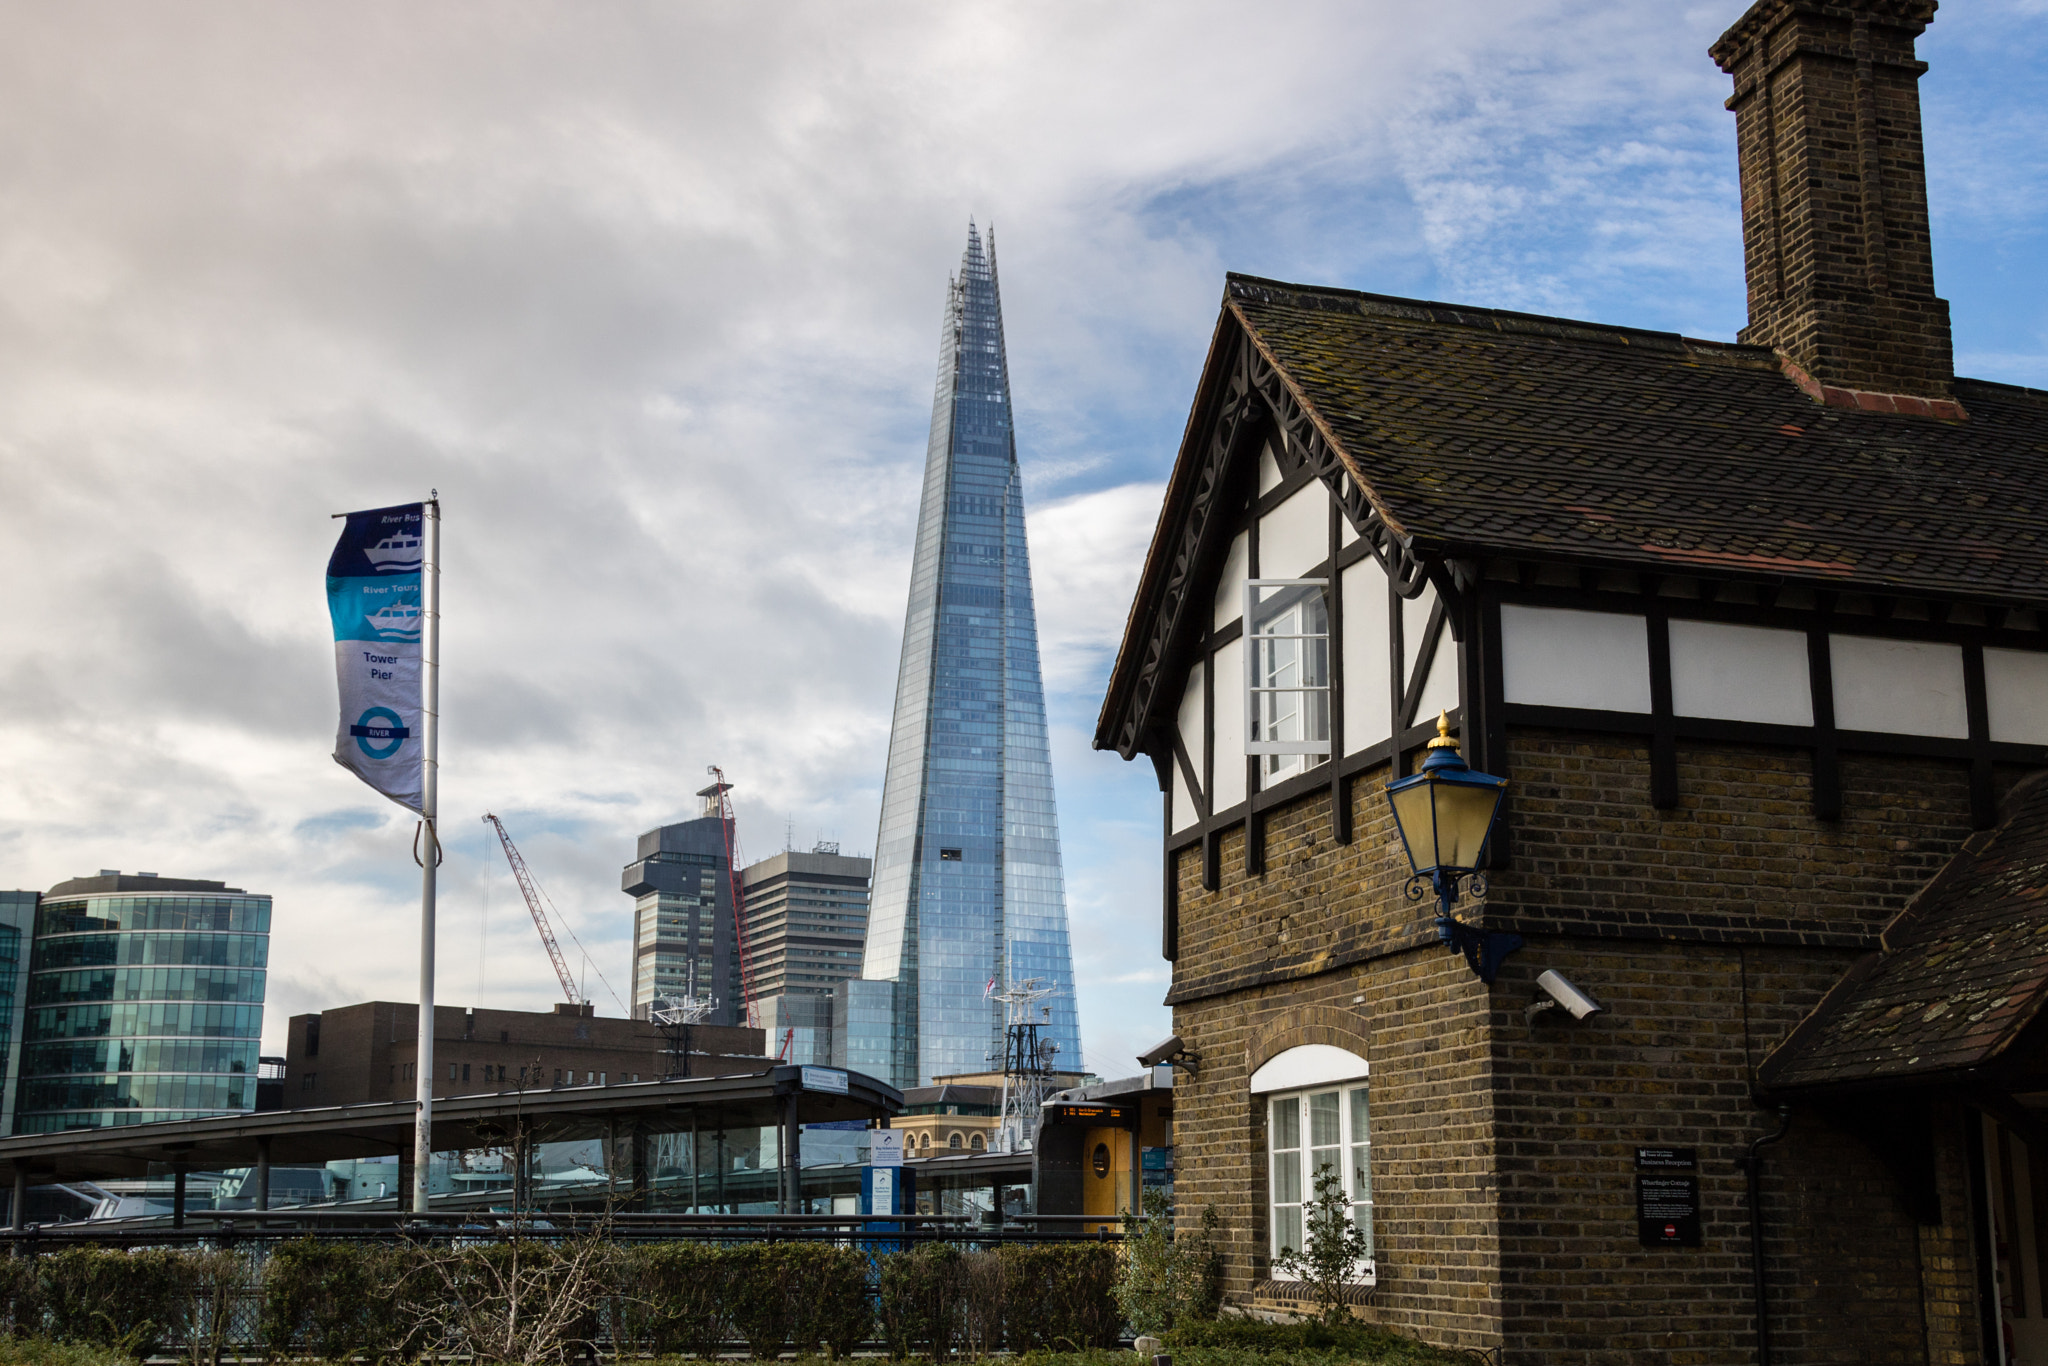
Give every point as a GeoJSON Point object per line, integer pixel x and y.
{"type": "Point", "coordinates": [1166, 1279]}
{"type": "Point", "coordinates": [1331, 1250]}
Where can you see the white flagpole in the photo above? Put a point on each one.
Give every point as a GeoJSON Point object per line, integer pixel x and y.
{"type": "Point", "coordinates": [430, 725]}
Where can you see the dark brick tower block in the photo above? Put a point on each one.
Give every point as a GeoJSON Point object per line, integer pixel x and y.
{"type": "Point", "coordinates": [1834, 193]}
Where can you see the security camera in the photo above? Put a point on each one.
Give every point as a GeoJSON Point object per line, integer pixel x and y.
{"type": "Point", "coordinates": [1561, 993]}
{"type": "Point", "coordinates": [1160, 1052]}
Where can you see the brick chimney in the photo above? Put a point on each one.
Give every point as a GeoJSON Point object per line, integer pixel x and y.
{"type": "Point", "coordinates": [1834, 200]}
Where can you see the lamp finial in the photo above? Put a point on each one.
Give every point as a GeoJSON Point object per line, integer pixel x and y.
{"type": "Point", "coordinates": [1444, 739]}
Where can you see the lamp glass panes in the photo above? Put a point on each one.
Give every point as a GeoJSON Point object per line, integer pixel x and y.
{"type": "Point", "coordinates": [1287, 669]}
{"type": "Point", "coordinates": [1446, 811]}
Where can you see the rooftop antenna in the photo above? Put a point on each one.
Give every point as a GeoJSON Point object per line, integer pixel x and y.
{"type": "Point", "coordinates": [1027, 1063]}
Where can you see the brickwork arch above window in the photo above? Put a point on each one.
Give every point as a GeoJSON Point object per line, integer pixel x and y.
{"type": "Point", "coordinates": [1332, 1026]}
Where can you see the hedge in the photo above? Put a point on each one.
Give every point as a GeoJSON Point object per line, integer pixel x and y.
{"type": "Point", "coordinates": [534, 1300]}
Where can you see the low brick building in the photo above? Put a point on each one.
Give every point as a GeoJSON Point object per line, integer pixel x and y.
{"type": "Point", "coordinates": [1753, 632]}
{"type": "Point", "coordinates": [367, 1052]}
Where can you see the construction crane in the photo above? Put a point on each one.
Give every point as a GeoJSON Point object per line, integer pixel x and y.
{"type": "Point", "coordinates": [540, 917]}
{"type": "Point", "coordinates": [718, 802]}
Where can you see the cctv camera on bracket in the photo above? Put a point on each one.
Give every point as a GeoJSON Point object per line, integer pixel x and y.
{"type": "Point", "coordinates": [1560, 994]}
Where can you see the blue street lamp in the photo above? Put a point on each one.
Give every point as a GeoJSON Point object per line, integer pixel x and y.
{"type": "Point", "coordinates": [1445, 815]}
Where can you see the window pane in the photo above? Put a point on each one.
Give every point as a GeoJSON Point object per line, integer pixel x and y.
{"type": "Point", "coordinates": [1286, 1229]}
{"type": "Point", "coordinates": [1286, 1124]}
{"type": "Point", "coordinates": [1322, 1120]}
{"type": "Point", "coordinates": [1361, 1215]}
{"type": "Point", "coordinates": [1287, 1178]}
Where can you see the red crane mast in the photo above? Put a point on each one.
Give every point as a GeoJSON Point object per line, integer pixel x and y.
{"type": "Point", "coordinates": [540, 918]}
{"type": "Point", "coordinates": [718, 802]}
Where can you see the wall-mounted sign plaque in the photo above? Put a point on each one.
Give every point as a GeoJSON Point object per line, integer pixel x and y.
{"type": "Point", "coordinates": [1668, 1197]}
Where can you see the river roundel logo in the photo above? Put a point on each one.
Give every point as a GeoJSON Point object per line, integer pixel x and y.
{"type": "Point", "coordinates": [379, 732]}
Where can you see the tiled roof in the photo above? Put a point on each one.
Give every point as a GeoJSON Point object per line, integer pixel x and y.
{"type": "Point", "coordinates": [1476, 431]}
{"type": "Point", "coordinates": [1963, 974]}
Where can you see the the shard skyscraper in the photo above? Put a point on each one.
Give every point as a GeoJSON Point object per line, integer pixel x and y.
{"type": "Point", "coordinates": [968, 895]}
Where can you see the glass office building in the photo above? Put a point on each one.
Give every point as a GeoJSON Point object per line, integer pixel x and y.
{"type": "Point", "coordinates": [145, 1002]}
{"type": "Point", "coordinates": [968, 890]}
{"type": "Point", "coordinates": [17, 935]}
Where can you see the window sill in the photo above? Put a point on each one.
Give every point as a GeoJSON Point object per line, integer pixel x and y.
{"type": "Point", "coordinates": [1280, 1295]}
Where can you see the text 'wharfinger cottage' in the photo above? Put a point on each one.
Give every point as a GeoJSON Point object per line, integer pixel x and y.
{"type": "Point", "coordinates": [1754, 633]}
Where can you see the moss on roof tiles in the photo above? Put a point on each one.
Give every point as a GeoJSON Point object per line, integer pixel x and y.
{"type": "Point", "coordinates": [1495, 432]}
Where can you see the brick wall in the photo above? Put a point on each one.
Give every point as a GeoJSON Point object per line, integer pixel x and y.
{"type": "Point", "coordinates": [1503, 1152]}
{"type": "Point", "coordinates": [1834, 193]}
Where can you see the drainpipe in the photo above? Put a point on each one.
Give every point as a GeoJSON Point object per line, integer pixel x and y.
{"type": "Point", "coordinates": [1753, 1168]}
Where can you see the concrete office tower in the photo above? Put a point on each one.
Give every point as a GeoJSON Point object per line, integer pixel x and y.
{"type": "Point", "coordinates": [968, 887]}
{"type": "Point", "coordinates": [681, 885]}
{"type": "Point", "coordinates": [145, 1002]}
{"type": "Point", "coordinates": [807, 920]}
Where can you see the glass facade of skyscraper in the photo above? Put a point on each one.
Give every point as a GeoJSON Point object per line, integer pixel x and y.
{"type": "Point", "coordinates": [145, 1002]}
{"type": "Point", "coordinates": [968, 888]}
{"type": "Point", "coordinates": [17, 936]}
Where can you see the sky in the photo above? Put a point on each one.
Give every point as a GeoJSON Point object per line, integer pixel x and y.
{"type": "Point", "coordinates": [651, 294]}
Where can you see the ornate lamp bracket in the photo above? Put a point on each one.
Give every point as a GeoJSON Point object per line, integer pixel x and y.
{"type": "Point", "coordinates": [1484, 950]}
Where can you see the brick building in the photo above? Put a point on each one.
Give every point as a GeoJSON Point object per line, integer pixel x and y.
{"type": "Point", "coordinates": [1753, 632]}
{"type": "Point", "coordinates": [367, 1052]}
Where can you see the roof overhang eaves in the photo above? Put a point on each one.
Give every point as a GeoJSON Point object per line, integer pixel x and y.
{"type": "Point", "coordinates": [382, 1128]}
{"type": "Point", "coordinates": [1123, 672]}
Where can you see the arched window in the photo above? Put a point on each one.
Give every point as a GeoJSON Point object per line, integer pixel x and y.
{"type": "Point", "coordinates": [953, 1140]}
{"type": "Point", "coordinates": [1317, 1118]}
{"type": "Point", "coordinates": [975, 1143]}
{"type": "Point", "coordinates": [926, 1141]}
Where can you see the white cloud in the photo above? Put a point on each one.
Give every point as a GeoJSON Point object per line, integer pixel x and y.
{"type": "Point", "coordinates": [651, 294]}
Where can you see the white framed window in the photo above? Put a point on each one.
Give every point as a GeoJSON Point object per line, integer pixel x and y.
{"type": "Point", "coordinates": [1287, 669]}
{"type": "Point", "coordinates": [1318, 1114]}
{"type": "Point", "coordinates": [1306, 1132]}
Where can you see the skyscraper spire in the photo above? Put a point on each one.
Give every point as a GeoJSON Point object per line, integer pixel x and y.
{"type": "Point", "coordinates": [968, 891]}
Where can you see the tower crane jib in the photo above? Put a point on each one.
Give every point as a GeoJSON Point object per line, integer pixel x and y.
{"type": "Point", "coordinates": [540, 918]}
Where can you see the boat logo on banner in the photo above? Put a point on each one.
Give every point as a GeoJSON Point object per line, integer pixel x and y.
{"type": "Point", "coordinates": [373, 597]}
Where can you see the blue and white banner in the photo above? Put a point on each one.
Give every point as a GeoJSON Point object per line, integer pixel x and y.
{"type": "Point", "coordinates": [373, 595]}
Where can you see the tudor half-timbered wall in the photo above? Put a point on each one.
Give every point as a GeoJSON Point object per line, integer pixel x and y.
{"type": "Point", "coordinates": [1722, 787]}
{"type": "Point", "coordinates": [1652, 659]}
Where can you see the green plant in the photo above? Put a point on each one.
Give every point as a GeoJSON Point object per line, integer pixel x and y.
{"type": "Point", "coordinates": [1167, 1278]}
{"type": "Point", "coordinates": [672, 1297]}
{"type": "Point", "coordinates": [829, 1303]}
{"type": "Point", "coordinates": [757, 1295]}
{"type": "Point", "coordinates": [1332, 1248]}
{"type": "Point", "coordinates": [920, 1294]}
{"type": "Point", "coordinates": [125, 1300]}
{"type": "Point", "coordinates": [984, 1302]}
{"type": "Point", "coordinates": [1060, 1295]}
{"type": "Point", "coordinates": [205, 1316]}
{"type": "Point", "coordinates": [35, 1351]}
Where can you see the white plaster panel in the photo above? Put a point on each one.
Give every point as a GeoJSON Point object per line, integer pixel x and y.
{"type": "Point", "coordinates": [1907, 687]}
{"type": "Point", "coordinates": [1269, 470]}
{"type": "Point", "coordinates": [1740, 673]}
{"type": "Point", "coordinates": [1193, 740]}
{"type": "Point", "coordinates": [1309, 1064]}
{"type": "Point", "coordinates": [1185, 816]}
{"type": "Point", "coordinates": [1295, 537]}
{"type": "Point", "coordinates": [2016, 682]}
{"type": "Point", "coordinates": [1230, 585]}
{"type": "Point", "coordinates": [1414, 626]}
{"type": "Point", "coordinates": [1440, 689]}
{"type": "Point", "coordinates": [1558, 657]}
{"type": "Point", "coordinates": [1368, 710]}
{"type": "Point", "coordinates": [1230, 694]}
